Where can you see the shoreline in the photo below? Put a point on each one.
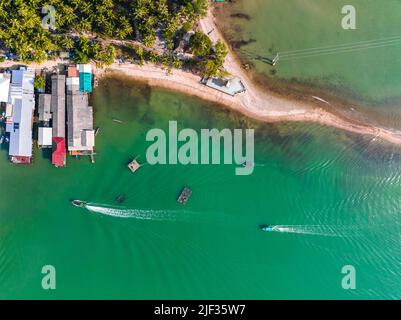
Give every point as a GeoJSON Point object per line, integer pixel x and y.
{"type": "Point", "coordinates": [157, 77]}
{"type": "Point", "coordinates": [300, 110]}
{"type": "Point", "coordinates": [340, 101]}
{"type": "Point", "coordinates": [255, 103]}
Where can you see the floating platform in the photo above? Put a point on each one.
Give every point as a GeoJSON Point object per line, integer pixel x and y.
{"type": "Point", "coordinates": [133, 165]}
{"type": "Point", "coordinates": [184, 196]}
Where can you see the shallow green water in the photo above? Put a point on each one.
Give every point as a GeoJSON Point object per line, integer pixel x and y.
{"type": "Point", "coordinates": [362, 64]}
{"type": "Point", "coordinates": [341, 195]}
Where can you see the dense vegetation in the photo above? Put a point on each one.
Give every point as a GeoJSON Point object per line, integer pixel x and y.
{"type": "Point", "coordinates": [88, 29]}
{"type": "Point", "coordinates": [39, 82]}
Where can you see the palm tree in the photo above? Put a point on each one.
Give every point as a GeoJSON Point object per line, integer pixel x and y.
{"type": "Point", "coordinates": [80, 57]}
{"type": "Point", "coordinates": [68, 43]}
{"type": "Point", "coordinates": [84, 45]}
{"type": "Point", "coordinates": [95, 49]}
{"type": "Point", "coordinates": [200, 44]}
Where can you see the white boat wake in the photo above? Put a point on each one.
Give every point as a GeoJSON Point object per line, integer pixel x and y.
{"type": "Point", "coordinates": [170, 215]}
{"type": "Point", "coordinates": [318, 230]}
{"type": "Point", "coordinates": [141, 214]}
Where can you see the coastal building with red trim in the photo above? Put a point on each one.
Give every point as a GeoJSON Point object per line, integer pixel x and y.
{"type": "Point", "coordinates": [59, 152]}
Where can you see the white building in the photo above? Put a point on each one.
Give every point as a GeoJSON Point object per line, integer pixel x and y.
{"type": "Point", "coordinates": [22, 98]}
{"type": "Point", "coordinates": [4, 87]}
{"type": "Point", "coordinates": [84, 68]}
{"type": "Point", "coordinates": [45, 135]}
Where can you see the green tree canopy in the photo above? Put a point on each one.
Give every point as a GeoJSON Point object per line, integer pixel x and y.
{"type": "Point", "coordinates": [39, 82]}
{"type": "Point", "coordinates": [221, 51]}
{"type": "Point", "coordinates": [85, 27]}
{"type": "Point", "coordinates": [200, 44]}
{"type": "Point", "coordinates": [210, 68]}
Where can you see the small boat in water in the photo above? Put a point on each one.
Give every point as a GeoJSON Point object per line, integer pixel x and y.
{"type": "Point", "coordinates": [267, 228]}
{"type": "Point", "coordinates": [78, 203]}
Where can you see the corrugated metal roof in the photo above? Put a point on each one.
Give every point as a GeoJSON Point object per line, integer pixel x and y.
{"type": "Point", "coordinates": [58, 105]}
{"type": "Point", "coordinates": [28, 81]}
{"type": "Point", "coordinates": [44, 107]}
{"type": "Point", "coordinates": [18, 76]}
{"type": "Point", "coordinates": [88, 138]}
{"type": "Point", "coordinates": [21, 134]}
{"type": "Point", "coordinates": [72, 81]}
{"type": "Point", "coordinates": [4, 87]}
{"type": "Point", "coordinates": [80, 119]}
{"type": "Point", "coordinates": [21, 96]}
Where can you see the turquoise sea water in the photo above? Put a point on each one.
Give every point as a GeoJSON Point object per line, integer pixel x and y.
{"type": "Point", "coordinates": [336, 195]}
{"type": "Point", "coordinates": [362, 65]}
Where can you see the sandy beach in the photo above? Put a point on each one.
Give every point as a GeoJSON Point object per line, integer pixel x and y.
{"type": "Point", "coordinates": [255, 102]}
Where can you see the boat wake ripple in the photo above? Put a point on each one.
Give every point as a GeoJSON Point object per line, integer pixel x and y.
{"type": "Point", "coordinates": [319, 230]}
{"type": "Point", "coordinates": [141, 214]}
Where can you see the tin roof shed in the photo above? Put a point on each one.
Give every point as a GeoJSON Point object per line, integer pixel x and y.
{"type": "Point", "coordinates": [45, 136]}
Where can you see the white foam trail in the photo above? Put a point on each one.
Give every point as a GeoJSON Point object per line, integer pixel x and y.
{"type": "Point", "coordinates": [363, 45]}
{"type": "Point", "coordinates": [318, 230]}
{"type": "Point", "coordinates": [141, 214]}
{"type": "Point", "coordinates": [302, 231]}
{"type": "Point", "coordinates": [343, 45]}
{"type": "Point", "coordinates": [254, 164]}
{"type": "Point", "coordinates": [260, 164]}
